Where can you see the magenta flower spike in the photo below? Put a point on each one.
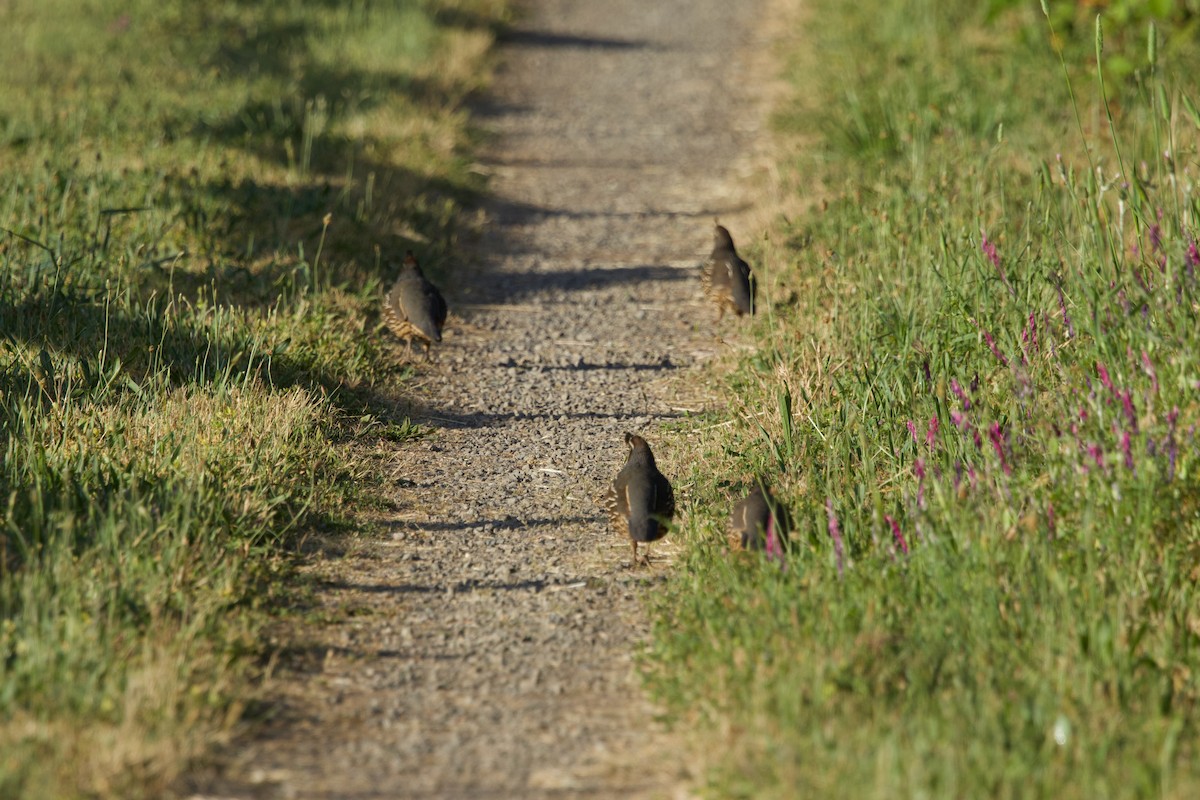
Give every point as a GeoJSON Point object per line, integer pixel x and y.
{"type": "Point", "coordinates": [1062, 306]}
{"type": "Point", "coordinates": [960, 394]}
{"type": "Point", "coordinates": [931, 433]}
{"type": "Point", "coordinates": [1127, 449]}
{"type": "Point", "coordinates": [897, 536]}
{"type": "Point", "coordinates": [1127, 406]}
{"type": "Point", "coordinates": [919, 471]}
{"type": "Point", "coordinates": [774, 547]}
{"type": "Point", "coordinates": [835, 533]}
{"type": "Point", "coordinates": [987, 337]}
{"type": "Point", "coordinates": [1102, 371]}
{"type": "Point", "coordinates": [998, 439]}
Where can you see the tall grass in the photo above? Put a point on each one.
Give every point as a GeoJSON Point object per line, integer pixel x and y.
{"type": "Point", "coordinates": [986, 329]}
{"type": "Point", "coordinates": [198, 206]}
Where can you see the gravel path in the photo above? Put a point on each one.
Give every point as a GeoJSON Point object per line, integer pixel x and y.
{"type": "Point", "coordinates": [485, 649]}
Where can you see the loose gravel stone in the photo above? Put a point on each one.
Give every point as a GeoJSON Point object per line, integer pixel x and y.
{"type": "Point", "coordinates": [484, 647]}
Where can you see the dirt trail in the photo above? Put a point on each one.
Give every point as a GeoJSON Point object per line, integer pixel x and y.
{"type": "Point", "coordinates": [485, 649]}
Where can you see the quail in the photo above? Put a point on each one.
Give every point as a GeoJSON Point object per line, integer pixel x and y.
{"type": "Point", "coordinates": [760, 523]}
{"type": "Point", "coordinates": [726, 278]}
{"type": "Point", "coordinates": [640, 501]}
{"type": "Point", "coordinates": [414, 308]}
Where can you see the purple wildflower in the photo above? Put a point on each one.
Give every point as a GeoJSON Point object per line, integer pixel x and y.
{"type": "Point", "coordinates": [1104, 379]}
{"type": "Point", "coordinates": [1096, 454]}
{"type": "Point", "coordinates": [960, 394]}
{"type": "Point", "coordinates": [1029, 337]}
{"type": "Point", "coordinates": [931, 433]}
{"type": "Point", "coordinates": [912, 431]}
{"type": "Point", "coordinates": [1062, 306]}
{"type": "Point", "coordinates": [989, 249]}
{"type": "Point", "coordinates": [774, 547]}
{"type": "Point", "coordinates": [1126, 398]}
{"type": "Point", "coordinates": [919, 471]}
{"type": "Point", "coordinates": [1146, 365]}
{"type": "Point", "coordinates": [897, 536]}
{"type": "Point", "coordinates": [1156, 237]}
{"type": "Point", "coordinates": [987, 337]}
{"type": "Point", "coordinates": [1000, 444]}
{"type": "Point", "coordinates": [1127, 449]}
{"type": "Point", "coordinates": [959, 419]}
{"type": "Point", "coordinates": [835, 533]}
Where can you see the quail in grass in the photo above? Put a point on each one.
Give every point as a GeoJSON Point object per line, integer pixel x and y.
{"type": "Point", "coordinates": [414, 308]}
{"type": "Point", "coordinates": [640, 501]}
{"type": "Point", "coordinates": [726, 278]}
{"type": "Point", "coordinates": [760, 522]}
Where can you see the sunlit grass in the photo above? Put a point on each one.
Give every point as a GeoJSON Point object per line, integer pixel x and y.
{"type": "Point", "coordinates": [199, 204]}
{"type": "Point", "coordinates": [986, 330]}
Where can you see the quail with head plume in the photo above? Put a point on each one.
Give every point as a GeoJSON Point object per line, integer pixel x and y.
{"type": "Point", "coordinates": [640, 501]}
{"type": "Point", "coordinates": [414, 308]}
{"type": "Point", "coordinates": [726, 278]}
{"type": "Point", "coordinates": [760, 523]}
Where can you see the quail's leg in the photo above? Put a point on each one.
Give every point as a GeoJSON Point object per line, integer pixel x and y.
{"type": "Point", "coordinates": [633, 564]}
{"type": "Point", "coordinates": [428, 350]}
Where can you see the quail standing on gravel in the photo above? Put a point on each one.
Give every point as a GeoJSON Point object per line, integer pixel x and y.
{"type": "Point", "coordinates": [640, 501]}
{"type": "Point", "coordinates": [759, 522]}
{"type": "Point", "coordinates": [726, 277]}
{"type": "Point", "coordinates": [414, 308]}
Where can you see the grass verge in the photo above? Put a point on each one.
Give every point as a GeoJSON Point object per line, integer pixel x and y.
{"type": "Point", "coordinates": [199, 203]}
{"type": "Point", "coordinates": [976, 389]}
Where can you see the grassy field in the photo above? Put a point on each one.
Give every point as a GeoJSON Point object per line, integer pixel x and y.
{"type": "Point", "coordinates": [198, 205]}
{"type": "Point", "coordinates": [976, 387]}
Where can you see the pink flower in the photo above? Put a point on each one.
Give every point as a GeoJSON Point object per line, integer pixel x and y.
{"type": "Point", "coordinates": [897, 536]}
{"type": "Point", "coordinates": [1062, 305]}
{"type": "Point", "coordinates": [835, 533]}
{"type": "Point", "coordinates": [1127, 405]}
{"type": "Point", "coordinates": [912, 431]}
{"type": "Point", "coordinates": [919, 470]}
{"type": "Point", "coordinates": [1127, 449]}
{"type": "Point", "coordinates": [1000, 445]}
{"type": "Point", "coordinates": [931, 434]}
{"type": "Point", "coordinates": [774, 545]}
{"type": "Point", "coordinates": [987, 337]}
{"type": "Point", "coordinates": [989, 249]}
{"type": "Point", "coordinates": [960, 394]}
{"type": "Point", "coordinates": [1029, 338]}
{"type": "Point", "coordinates": [1104, 379]}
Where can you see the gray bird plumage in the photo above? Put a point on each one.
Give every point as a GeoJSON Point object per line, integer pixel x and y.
{"type": "Point", "coordinates": [640, 501]}
{"type": "Point", "coordinates": [760, 522]}
{"type": "Point", "coordinates": [414, 308]}
{"type": "Point", "coordinates": [726, 278]}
